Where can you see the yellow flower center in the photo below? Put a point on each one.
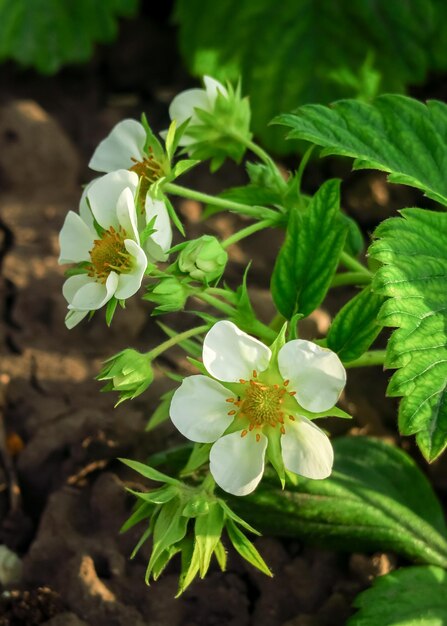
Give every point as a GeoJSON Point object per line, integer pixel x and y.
{"type": "Point", "coordinates": [262, 404]}
{"type": "Point", "coordinates": [109, 254]}
{"type": "Point", "coordinates": [148, 168]}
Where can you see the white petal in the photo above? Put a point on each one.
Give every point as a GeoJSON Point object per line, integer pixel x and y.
{"type": "Point", "coordinates": [104, 193]}
{"type": "Point", "coordinates": [230, 354]}
{"type": "Point", "coordinates": [316, 374]}
{"type": "Point", "coordinates": [213, 87]}
{"type": "Point", "coordinates": [199, 409]}
{"type": "Point", "coordinates": [127, 214]}
{"type": "Point", "coordinates": [306, 450]}
{"type": "Point", "coordinates": [94, 295]}
{"type": "Point", "coordinates": [73, 284]}
{"type": "Point", "coordinates": [183, 105]}
{"type": "Point", "coordinates": [84, 209]}
{"type": "Point", "coordinates": [237, 463]}
{"type": "Point", "coordinates": [75, 240]}
{"type": "Point", "coordinates": [129, 283]}
{"type": "Point", "coordinates": [126, 140]}
{"type": "Point", "coordinates": [159, 242]}
{"type": "Point", "coordinates": [73, 318]}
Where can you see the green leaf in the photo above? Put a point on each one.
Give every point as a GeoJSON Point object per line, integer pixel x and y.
{"type": "Point", "coordinates": [245, 547]}
{"type": "Point", "coordinates": [395, 134]}
{"type": "Point", "coordinates": [208, 529]}
{"type": "Point", "coordinates": [414, 278]}
{"type": "Point", "coordinates": [309, 256]}
{"type": "Point", "coordinates": [411, 596]}
{"type": "Point", "coordinates": [150, 472]}
{"type": "Point", "coordinates": [355, 326]}
{"type": "Point", "coordinates": [47, 34]}
{"type": "Point", "coordinates": [287, 57]}
{"type": "Point", "coordinates": [376, 499]}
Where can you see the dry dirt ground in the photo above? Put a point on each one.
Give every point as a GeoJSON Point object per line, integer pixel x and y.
{"type": "Point", "coordinates": [62, 499]}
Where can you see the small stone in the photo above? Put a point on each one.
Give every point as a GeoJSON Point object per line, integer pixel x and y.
{"type": "Point", "coordinates": [34, 149]}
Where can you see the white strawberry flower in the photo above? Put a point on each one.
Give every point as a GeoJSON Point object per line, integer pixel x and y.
{"type": "Point", "coordinates": [252, 402]}
{"type": "Point", "coordinates": [125, 147]}
{"type": "Point", "coordinates": [112, 256]}
{"type": "Point", "coordinates": [184, 105]}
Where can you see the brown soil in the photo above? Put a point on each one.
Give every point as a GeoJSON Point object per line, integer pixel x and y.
{"type": "Point", "coordinates": [62, 500]}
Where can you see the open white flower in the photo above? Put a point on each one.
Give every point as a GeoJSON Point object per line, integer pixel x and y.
{"type": "Point", "coordinates": [114, 260]}
{"type": "Point", "coordinates": [184, 105]}
{"type": "Point", "coordinates": [125, 148]}
{"type": "Point", "coordinates": [252, 403]}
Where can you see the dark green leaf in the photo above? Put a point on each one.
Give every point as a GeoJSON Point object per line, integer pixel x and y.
{"type": "Point", "coordinates": [355, 326]}
{"type": "Point", "coordinates": [46, 34]}
{"type": "Point", "coordinates": [395, 134]}
{"type": "Point", "coordinates": [303, 51]}
{"type": "Point", "coordinates": [309, 256]}
{"type": "Point", "coordinates": [376, 499]}
{"type": "Point", "coordinates": [414, 278]}
{"type": "Point", "coordinates": [411, 596]}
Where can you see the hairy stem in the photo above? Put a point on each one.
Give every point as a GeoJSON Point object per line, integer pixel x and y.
{"type": "Point", "coordinates": [352, 264]}
{"type": "Point", "coordinates": [173, 341]}
{"type": "Point", "coordinates": [229, 205]}
{"type": "Point", "coordinates": [246, 232]}
{"type": "Point", "coordinates": [350, 278]}
{"type": "Point", "coordinates": [373, 357]}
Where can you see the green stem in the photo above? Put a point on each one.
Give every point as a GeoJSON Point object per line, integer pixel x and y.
{"type": "Point", "coordinates": [373, 357]}
{"type": "Point", "coordinates": [246, 232]}
{"type": "Point", "coordinates": [260, 152]}
{"type": "Point", "coordinates": [352, 264]}
{"type": "Point", "coordinates": [173, 341]}
{"type": "Point", "coordinates": [228, 295]}
{"type": "Point", "coordinates": [277, 322]}
{"type": "Point", "coordinates": [350, 278]}
{"type": "Point", "coordinates": [215, 302]}
{"type": "Point", "coordinates": [229, 205]}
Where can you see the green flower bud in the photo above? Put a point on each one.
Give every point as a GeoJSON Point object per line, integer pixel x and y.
{"type": "Point", "coordinates": [204, 259]}
{"type": "Point", "coordinates": [218, 122]}
{"type": "Point", "coordinates": [170, 294]}
{"type": "Point", "coordinates": [128, 372]}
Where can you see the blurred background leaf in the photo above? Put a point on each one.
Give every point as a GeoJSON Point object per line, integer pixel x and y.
{"type": "Point", "coordinates": [47, 34]}
{"type": "Point", "coordinates": [305, 51]}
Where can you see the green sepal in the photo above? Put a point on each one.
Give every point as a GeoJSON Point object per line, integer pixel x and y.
{"type": "Point", "coordinates": [199, 456]}
{"type": "Point", "coordinates": [161, 413]}
{"type": "Point", "coordinates": [150, 472]}
{"type": "Point", "coordinates": [157, 496]}
{"type": "Point", "coordinates": [274, 455]}
{"type": "Point", "coordinates": [197, 506]}
{"type": "Point", "coordinates": [190, 564]}
{"type": "Point", "coordinates": [208, 530]}
{"type": "Point", "coordinates": [152, 141]}
{"type": "Point", "coordinates": [110, 309]}
{"type": "Point", "coordinates": [245, 547]}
